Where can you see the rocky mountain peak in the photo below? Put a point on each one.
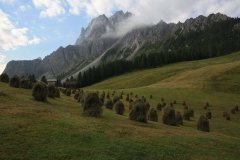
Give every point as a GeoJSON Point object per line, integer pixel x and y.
{"type": "Point", "coordinates": [101, 25]}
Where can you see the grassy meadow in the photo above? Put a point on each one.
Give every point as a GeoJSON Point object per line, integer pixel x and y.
{"type": "Point", "coordinates": [56, 129]}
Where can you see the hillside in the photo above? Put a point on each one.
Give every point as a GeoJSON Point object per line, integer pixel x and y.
{"type": "Point", "coordinates": [58, 130]}
{"type": "Point", "coordinates": [201, 74]}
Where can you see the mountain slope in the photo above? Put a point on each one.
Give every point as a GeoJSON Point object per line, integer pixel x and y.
{"type": "Point", "coordinates": [198, 38]}
{"type": "Point", "coordinates": [200, 74]}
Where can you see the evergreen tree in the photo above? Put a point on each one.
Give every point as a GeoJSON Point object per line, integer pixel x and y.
{"type": "Point", "coordinates": [44, 80]}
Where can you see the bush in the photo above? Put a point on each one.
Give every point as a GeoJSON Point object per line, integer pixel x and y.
{"type": "Point", "coordinates": [92, 105]}
{"type": "Point", "coordinates": [203, 124]}
{"type": "Point", "coordinates": [109, 104]}
{"type": "Point", "coordinates": [4, 78]}
{"type": "Point", "coordinates": [57, 92]}
{"type": "Point", "coordinates": [139, 111]}
{"type": "Point", "coordinates": [153, 116]}
{"type": "Point", "coordinates": [151, 97]}
{"type": "Point", "coordinates": [51, 91]}
{"type": "Point", "coordinates": [119, 107]}
{"type": "Point", "coordinates": [40, 91]}
{"type": "Point", "coordinates": [26, 84]}
{"type": "Point", "coordinates": [209, 114]}
{"type": "Point", "coordinates": [169, 117]}
{"type": "Point", "coordinates": [15, 82]}
{"type": "Point", "coordinates": [179, 119]}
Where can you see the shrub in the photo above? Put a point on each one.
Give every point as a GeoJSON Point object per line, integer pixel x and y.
{"type": "Point", "coordinates": [119, 107]}
{"type": "Point", "coordinates": [51, 91]}
{"type": "Point", "coordinates": [169, 117]}
{"type": "Point", "coordinates": [151, 97]}
{"type": "Point", "coordinates": [4, 78]}
{"type": "Point", "coordinates": [203, 124]}
{"type": "Point", "coordinates": [109, 104]}
{"type": "Point", "coordinates": [40, 91]}
{"type": "Point", "coordinates": [26, 84]}
{"type": "Point", "coordinates": [15, 82]}
{"type": "Point", "coordinates": [209, 114]}
{"type": "Point", "coordinates": [174, 102]}
{"type": "Point", "coordinates": [153, 116]}
{"type": "Point", "coordinates": [139, 111]}
{"type": "Point", "coordinates": [57, 92]}
{"type": "Point", "coordinates": [68, 92]}
{"type": "Point", "coordinates": [179, 119]}
{"type": "Point", "coordinates": [92, 105]}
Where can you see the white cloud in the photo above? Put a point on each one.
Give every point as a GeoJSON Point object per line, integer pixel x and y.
{"type": "Point", "coordinates": [49, 8]}
{"type": "Point", "coordinates": [24, 8]}
{"type": "Point", "coordinates": [7, 1]}
{"type": "Point", "coordinates": [11, 36]}
{"type": "Point", "coordinates": [148, 10]}
{"type": "Point", "coordinates": [76, 6]}
{"type": "Point", "coordinates": [2, 62]}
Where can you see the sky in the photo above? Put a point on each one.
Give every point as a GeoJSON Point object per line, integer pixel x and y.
{"type": "Point", "coordinates": [30, 29]}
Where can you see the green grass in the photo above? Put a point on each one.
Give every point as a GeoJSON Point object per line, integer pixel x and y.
{"type": "Point", "coordinates": [31, 130]}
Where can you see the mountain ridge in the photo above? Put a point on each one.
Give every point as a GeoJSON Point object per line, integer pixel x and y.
{"type": "Point", "coordinates": [94, 47]}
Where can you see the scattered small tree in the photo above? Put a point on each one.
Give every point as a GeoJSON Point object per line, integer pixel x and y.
{"type": "Point", "coordinates": [26, 84]}
{"type": "Point", "coordinates": [44, 79]}
{"type": "Point", "coordinates": [40, 91]}
{"type": "Point", "coordinates": [15, 82]}
{"type": "Point", "coordinates": [4, 78]}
